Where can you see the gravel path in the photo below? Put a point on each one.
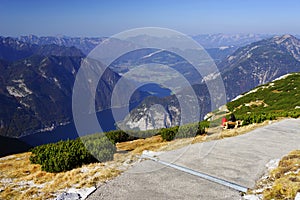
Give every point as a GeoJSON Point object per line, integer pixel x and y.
{"type": "Point", "coordinates": [240, 159]}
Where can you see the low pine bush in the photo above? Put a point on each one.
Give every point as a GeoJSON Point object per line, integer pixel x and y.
{"type": "Point", "coordinates": [184, 131]}
{"type": "Point", "coordinates": [169, 134]}
{"type": "Point", "coordinates": [66, 155]}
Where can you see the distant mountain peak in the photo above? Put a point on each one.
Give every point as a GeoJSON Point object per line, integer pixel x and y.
{"type": "Point", "coordinates": [260, 62]}
{"type": "Point", "coordinates": [285, 43]}
{"type": "Point", "coordinates": [82, 43]}
{"type": "Point", "coordinates": [290, 43]}
{"type": "Point", "coordinates": [220, 39]}
{"type": "Point", "coordinates": [285, 38]}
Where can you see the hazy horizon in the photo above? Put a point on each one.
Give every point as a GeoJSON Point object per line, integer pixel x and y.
{"type": "Point", "coordinates": [105, 18]}
{"type": "Point", "coordinates": [104, 36]}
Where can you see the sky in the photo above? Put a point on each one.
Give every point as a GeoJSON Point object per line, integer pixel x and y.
{"type": "Point", "coordinates": [93, 18]}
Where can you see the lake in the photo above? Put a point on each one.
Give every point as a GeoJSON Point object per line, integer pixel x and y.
{"type": "Point", "coordinates": [69, 131]}
{"type": "Point", "coordinates": [105, 119]}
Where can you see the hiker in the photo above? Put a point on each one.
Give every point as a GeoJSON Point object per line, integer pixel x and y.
{"type": "Point", "coordinates": [224, 120]}
{"type": "Point", "coordinates": [232, 118]}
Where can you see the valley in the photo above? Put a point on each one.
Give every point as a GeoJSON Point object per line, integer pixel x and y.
{"type": "Point", "coordinates": [149, 100]}
{"type": "Point", "coordinates": [260, 78]}
{"type": "Point", "coordinates": [54, 63]}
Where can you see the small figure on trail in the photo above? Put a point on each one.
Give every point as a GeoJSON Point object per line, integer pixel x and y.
{"type": "Point", "coordinates": [224, 120]}
{"type": "Point", "coordinates": [232, 118]}
{"type": "Point", "coordinates": [232, 122]}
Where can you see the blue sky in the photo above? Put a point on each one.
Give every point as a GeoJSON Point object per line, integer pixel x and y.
{"type": "Point", "coordinates": [104, 18]}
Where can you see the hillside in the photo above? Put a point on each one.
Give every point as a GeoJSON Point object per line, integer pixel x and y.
{"type": "Point", "coordinates": [249, 66]}
{"type": "Point", "coordinates": [259, 63]}
{"type": "Point", "coordinates": [221, 40]}
{"type": "Point", "coordinates": [279, 98]}
{"type": "Point", "coordinates": [36, 83]}
{"type": "Point", "coordinates": [127, 151]}
{"type": "Point", "coordinates": [82, 43]}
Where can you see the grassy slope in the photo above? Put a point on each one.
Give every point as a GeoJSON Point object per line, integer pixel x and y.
{"type": "Point", "coordinates": [278, 98]}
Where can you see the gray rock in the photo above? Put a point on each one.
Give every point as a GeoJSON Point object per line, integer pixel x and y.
{"type": "Point", "coordinates": [68, 196]}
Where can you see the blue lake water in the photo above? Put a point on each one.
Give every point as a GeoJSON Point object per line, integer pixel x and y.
{"type": "Point", "coordinates": [156, 90]}
{"type": "Point", "coordinates": [105, 119]}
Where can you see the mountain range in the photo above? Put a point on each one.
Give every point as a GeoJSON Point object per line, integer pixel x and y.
{"type": "Point", "coordinates": [259, 63]}
{"type": "Point", "coordinates": [37, 83]}
{"type": "Point", "coordinates": [38, 73]}
{"type": "Point", "coordinates": [249, 66]}
{"type": "Point", "coordinates": [226, 40]}
{"type": "Point", "coordinates": [82, 43]}
{"type": "Point", "coordinates": [86, 44]}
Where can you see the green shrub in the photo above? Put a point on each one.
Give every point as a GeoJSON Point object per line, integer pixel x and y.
{"type": "Point", "coordinates": [203, 125]}
{"type": "Point", "coordinates": [184, 131]}
{"type": "Point", "coordinates": [118, 136]}
{"type": "Point", "coordinates": [261, 117]}
{"type": "Point", "coordinates": [66, 155]}
{"type": "Point", "coordinates": [129, 135]}
{"type": "Point", "coordinates": [101, 148]}
{"type": "Point", "coordinates": [144, 134]}
{"type": "Point", "coordinates": [169, 134]}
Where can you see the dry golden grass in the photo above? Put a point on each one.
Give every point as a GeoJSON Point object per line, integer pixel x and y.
{"type": "Point", "coordinates": [19, 179]}
{"type": "Point", "coordinates": [276, 91]}
{"type": "Point", "coordinates": [139, 145]}
{"type": "Point", "coordinates": [285, 178]}
{"type": "Point", "coordinates": [258, 103]}
{"type": "Point", "coordinates": [283, 182]}
{"type": "Point", "coordinates": [156, 143]}
{"type": "Point", "coordinates": [243, 129]}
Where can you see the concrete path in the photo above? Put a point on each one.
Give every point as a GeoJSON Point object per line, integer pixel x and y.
{"type": "Point", "coordinates": [240, 159]}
